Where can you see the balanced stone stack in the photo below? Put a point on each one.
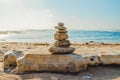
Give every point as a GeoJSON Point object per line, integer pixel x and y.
{"type": "Point", "coordinates": [61, 45]}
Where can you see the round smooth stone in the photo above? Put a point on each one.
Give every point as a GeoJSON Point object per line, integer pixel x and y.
{"type": "Point", "coordinates": [62, 43]}
{"type": "Point", "coordinates": [61, 50]}
{"type": "Point", "coordinates": [62, 31]}
{"type": "Point", "coordinates": [60, 27]}
{"type": "Point", "coordinates": [60, 24]}
{"type": "Point", "coordinates": [60, 36]}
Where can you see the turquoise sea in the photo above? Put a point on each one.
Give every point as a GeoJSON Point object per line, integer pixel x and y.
{"type": "Point", "coordinates": [48, 36]}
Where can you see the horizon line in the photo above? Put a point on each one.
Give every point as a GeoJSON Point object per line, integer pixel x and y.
{"type": "Point", "coordinates": [67, 29]}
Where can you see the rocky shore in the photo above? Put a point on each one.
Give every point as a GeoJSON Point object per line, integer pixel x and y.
{"type": "Point", "coordinates": [99, 72]}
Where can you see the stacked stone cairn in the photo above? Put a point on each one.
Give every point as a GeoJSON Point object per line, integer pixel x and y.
{"type": "Point", "coordinates": [61, 45]}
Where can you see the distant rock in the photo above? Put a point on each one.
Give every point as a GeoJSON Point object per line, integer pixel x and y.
{"type": "Point", "coordinates": [91, 42]}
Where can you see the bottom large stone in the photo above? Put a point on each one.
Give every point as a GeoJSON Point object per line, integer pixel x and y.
{"type": "Point", "coordinates": [61, 50]}
{"type": "Point", "coordinates": [42, 60]}
{"type": "Point", "coordinates": [37, 61]}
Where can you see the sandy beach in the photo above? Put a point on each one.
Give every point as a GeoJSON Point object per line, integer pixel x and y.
{"type": "Point", "coordinates": [109, 72]}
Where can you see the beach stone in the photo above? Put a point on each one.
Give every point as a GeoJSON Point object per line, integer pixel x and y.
{"type": "Point", "coordinates": [34, 60]}
{"type": "Point", "coordinates": [60, 36]}
{"type": "Point", "coordinates": [62, 43]}
{"type": "Point", "coordinates": [110, 58]}
{"type": "Point", "coordinates": [60, 28]}
{"type": "Point", "coordinates": [42, 60]}
{"type": "Point", "coordinates": [61, 31]}
{"type": "Point", "coordinates": [61, 50]}
{"type": "Point", "coordinates": [60, 24]}
{"type": "Point", "coordinates": [10, 58]}
{"type": "Point", "coordinates": [102, 59]}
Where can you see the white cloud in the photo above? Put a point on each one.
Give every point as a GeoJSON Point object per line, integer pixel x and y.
{"type": "Point", "coordinates": [24, 14]}
{"type": "Point", "coordinates": [3, 0]}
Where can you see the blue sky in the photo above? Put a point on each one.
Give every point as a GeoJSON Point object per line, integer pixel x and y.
{"type": "Point", "coordinates": [87, 8]}
{"type": "Point", "coordinates": [45, 14]}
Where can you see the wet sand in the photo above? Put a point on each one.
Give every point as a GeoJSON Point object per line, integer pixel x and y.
{"type": "Point", "coordinates": [110, 72]}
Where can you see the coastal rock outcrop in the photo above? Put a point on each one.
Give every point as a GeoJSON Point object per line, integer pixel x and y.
{"type": "Point", "coordinates": [38, 60]}
{"type": "Point", "coordinates": [62, 45]}
{"type": "Point", "coordinates": [35, 61]}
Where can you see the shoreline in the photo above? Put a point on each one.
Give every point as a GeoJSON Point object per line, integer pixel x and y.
{"type": "Point", "coordinates": [90, 42]}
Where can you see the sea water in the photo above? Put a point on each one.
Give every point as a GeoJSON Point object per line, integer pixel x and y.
{"type": "Point", "coordinates": [48, 36]}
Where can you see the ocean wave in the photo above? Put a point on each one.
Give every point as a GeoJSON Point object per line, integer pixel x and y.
{"type": "Point", "coordinates": [111, 30]}
{"type": "Point", "coordinates": [22, 31]}
{"type": "Point", "coordinates": [10, 32]}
